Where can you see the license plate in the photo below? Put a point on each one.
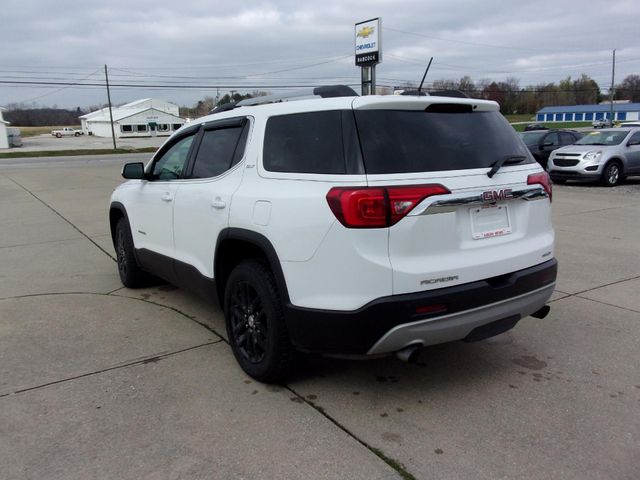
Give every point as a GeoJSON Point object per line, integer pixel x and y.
{"type": "Point", "coordinates": [489, 221]}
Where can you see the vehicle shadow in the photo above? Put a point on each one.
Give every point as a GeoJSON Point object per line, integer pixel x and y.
{"type": "Point", "coordinates": [436, 367]}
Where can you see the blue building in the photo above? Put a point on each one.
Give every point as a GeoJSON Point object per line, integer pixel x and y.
{"type": "Point", "coordinates": [623, 112]}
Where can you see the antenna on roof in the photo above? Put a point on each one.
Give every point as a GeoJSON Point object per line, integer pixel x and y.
{"type": "Point", "coordinates": [424, 76]}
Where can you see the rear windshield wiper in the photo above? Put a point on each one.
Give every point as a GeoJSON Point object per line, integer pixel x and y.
{"type": "Point", "coordinates": [508, 159]}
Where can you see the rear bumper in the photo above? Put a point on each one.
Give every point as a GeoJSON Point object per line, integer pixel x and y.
{"type": "Point", "coordinates": [391, 323]}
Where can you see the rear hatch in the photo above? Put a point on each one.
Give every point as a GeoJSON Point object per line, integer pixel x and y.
{"type": "Point", "coordinates": [476, 227]}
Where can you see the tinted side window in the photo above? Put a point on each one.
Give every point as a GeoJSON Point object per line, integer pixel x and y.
{"type": "Point", "coordinates": [216, 152]}
{"type": "Point", "coordinates": [396, 141]}
{"type": "Point", "coordinates": [552, 139]}
{"type": "Point", "coordinates": [305, 143]}
{"type": "Point", "coordinates": [171, 164]}
{"type": "Point", "coordinates": [566, 138]}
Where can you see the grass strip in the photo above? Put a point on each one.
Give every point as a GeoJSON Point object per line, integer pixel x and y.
{"type": "Point", "coordinates": [69, 153]}
{"type": "Point", "coordinates": [553, 125]}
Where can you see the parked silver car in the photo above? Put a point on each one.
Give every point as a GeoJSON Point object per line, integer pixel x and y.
{"type": "Point", "coordinates": [607, 155]}
{"type": "Point", "coordinates": [601, 124]}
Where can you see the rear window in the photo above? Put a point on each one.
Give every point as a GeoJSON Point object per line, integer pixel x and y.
{"type": "Point", "coordinates": [425, 141]}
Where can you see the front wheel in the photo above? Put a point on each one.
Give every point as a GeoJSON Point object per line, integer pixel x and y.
{"type": "Point", "coordinates": [131, 275]}
{"type": "Point", "coordinates": [612, 174]}
{"type": "Point", "coordinates": [255, 323]}
{"type": "Point", "coordinates": [58, 135]}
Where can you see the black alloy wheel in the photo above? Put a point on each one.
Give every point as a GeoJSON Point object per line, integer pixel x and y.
{"type": "Point", "coordinates": [131, 275]}
{"type": "Point", "coordinates": [248, 321]}
{"type": "Point", "coordinates": [255, 322]}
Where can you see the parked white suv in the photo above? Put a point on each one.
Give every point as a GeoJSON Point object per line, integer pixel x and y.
{"type": "Point", "coordinates": [346, 225]}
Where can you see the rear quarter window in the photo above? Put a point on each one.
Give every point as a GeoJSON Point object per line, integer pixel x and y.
{"type": "Point", "coordinates": [312, 142]}
{"type": "Point", "coordinates": [395, 141]}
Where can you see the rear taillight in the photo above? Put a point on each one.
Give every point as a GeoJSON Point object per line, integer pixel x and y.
{"type": "Point", "coordinates": [542, 179]}
{"type": "Point", "coordinates": [378, 207]}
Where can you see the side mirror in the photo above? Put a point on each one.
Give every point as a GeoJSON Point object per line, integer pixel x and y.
{"type": "Point", "coordinates": [547, 144]}
{"type": "Point", "coordinates": [133, 171]}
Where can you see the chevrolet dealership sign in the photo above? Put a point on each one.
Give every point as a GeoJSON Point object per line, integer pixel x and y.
{"type": "Point", "coordinates": [368, 42]}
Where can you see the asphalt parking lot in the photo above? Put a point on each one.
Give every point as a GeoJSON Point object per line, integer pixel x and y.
{"type": "Point", "coordinates": [40, 143]}
{"type": "Point", "coordinates": [102, 382]}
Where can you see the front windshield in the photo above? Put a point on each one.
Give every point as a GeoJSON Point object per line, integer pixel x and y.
{"type": "Point", "coordinates": [605, 137]}
{"type": "Point", "coordinates": [532, 138]}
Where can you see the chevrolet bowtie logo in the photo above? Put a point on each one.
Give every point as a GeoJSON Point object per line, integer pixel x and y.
{"type": "Point", "coordinates": [365, 32]}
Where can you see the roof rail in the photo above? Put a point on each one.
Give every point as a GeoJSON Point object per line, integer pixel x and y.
{"type": "Point", "coordinates": [224, 107]}
{"type": "Point", "coordinates": [327, 91]}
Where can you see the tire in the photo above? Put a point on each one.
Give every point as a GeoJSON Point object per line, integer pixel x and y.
{"type": "Point", "coordinates": [131, 275]}
{"type": "Point", "coordinates": [58, 135]}
{"type": "Point", "coordinates": [612, 174]}
{"type": "Point", "coordinates": [255, 323]}
{"type": "Point", "coordinates": [76, 134]}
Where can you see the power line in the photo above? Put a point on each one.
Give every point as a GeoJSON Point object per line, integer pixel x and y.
{"type": "Point", "coordinates": [134, 85]}
{"type": "Point", "coordinates": [57, 90]}
{"type": "Point", "coordinates": [462, 42]}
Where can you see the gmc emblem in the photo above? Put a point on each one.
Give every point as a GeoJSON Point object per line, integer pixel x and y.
{"type": "Point", "coordinates": [492, 196]}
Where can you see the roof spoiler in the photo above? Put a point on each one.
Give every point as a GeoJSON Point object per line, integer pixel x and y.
{"type": "Point", "coordinates": [436, 93]}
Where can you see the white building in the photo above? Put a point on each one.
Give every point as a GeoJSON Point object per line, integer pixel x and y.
{"type": "Point", "coordinates": [4, 136]}
{"type": "Point", "coordinates": [142, 118]}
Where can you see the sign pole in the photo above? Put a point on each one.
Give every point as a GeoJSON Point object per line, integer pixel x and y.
{"type": "Point", "coordinates": [368, 78]}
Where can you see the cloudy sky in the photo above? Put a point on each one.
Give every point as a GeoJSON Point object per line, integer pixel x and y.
{"type": "Point", "coordinates": [184, 50]}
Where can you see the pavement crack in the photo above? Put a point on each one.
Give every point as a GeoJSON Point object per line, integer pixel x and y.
{"type": "Point", "coordinates": [142, 361]}
{"type": "Point", "coordinates": [63, 218]}
{"type": "Point", "coordinates": [49, 294]}
{"type": "Point", "coordinates": [607, 304]}
{"type": "Point", "coordinates": [32, 244]}
{"type": "Point", "coordinates": [579, 294]}
{"type": "Point", "coordinates": [394, 464]}
{"type": "Point", "coordinates": [113, 294]}
{"type": "Point", "coordinates": [186, 315]}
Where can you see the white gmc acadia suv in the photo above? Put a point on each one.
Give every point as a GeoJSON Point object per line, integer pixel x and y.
{"type": "Point", "coordinates": [345, 225]}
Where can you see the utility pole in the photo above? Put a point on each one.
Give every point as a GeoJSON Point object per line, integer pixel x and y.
{"type": "Point", "coordinates": [113, 134]}
{"type": "Point", "coordinates": [612, 91]}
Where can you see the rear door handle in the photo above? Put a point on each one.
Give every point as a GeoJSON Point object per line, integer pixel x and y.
{"type": "Point", "coordinates": [167, 197]}
{"type": "Point", "coordinates": [219, 204]}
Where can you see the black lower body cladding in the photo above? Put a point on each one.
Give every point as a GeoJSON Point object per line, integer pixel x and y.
{"type": "Point", "coordinates": [355, 332]}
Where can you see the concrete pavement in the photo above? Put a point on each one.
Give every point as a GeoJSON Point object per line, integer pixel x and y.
{"type": "Point", "coordinates": [98, 381]}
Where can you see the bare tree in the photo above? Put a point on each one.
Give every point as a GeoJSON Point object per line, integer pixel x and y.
{"type": "Point", "coordinates": [629, 89]}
